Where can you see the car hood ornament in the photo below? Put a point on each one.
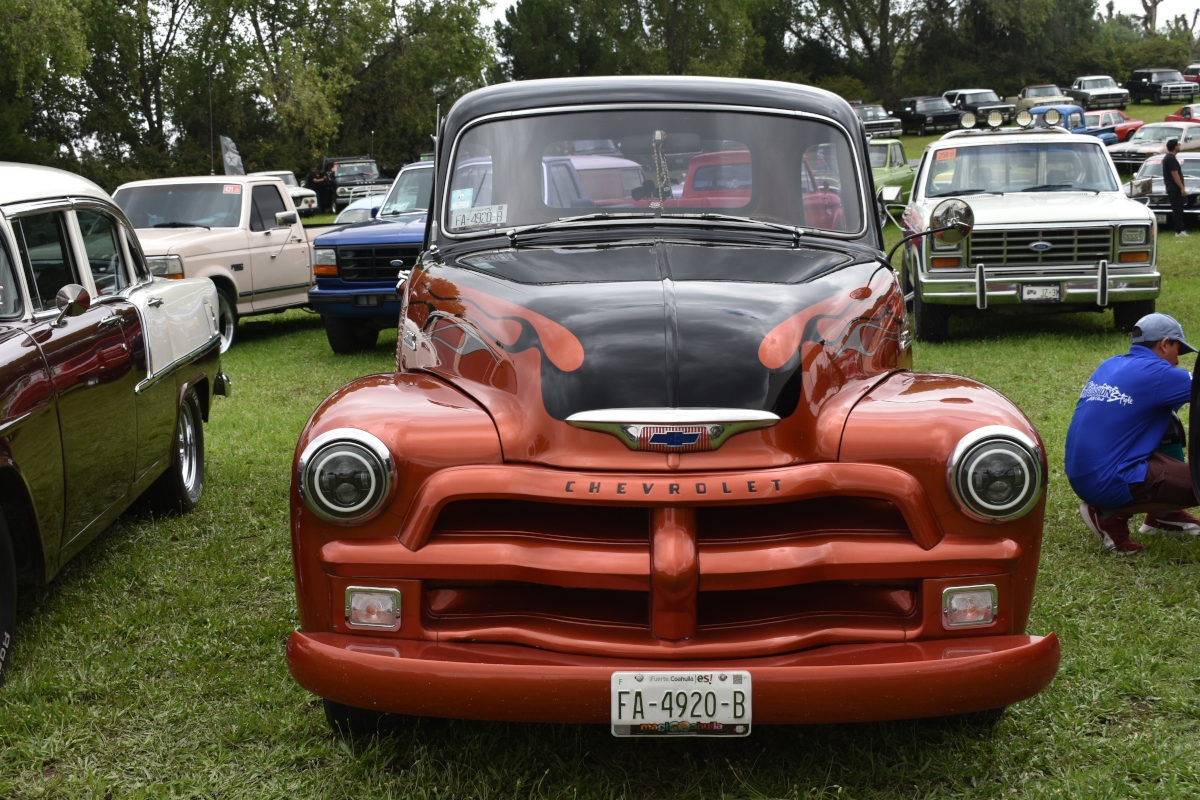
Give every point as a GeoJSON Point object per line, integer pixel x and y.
{"type": "Point", "coordinates": [672, 430]}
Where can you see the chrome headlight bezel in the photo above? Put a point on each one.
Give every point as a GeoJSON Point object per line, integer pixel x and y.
{"type": "Point", "coordinates": [370, 450]}
{"type": "Point", "coordinates": [974, 444]}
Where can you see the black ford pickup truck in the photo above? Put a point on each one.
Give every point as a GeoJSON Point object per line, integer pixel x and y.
{"type": "Point", "coordinates": [353, 177]}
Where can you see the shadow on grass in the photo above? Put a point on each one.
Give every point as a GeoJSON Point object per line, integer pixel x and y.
{"type": "Point", "coordinates": [273, 326]}
{"type": "Point", "coordinates": [973, 325]}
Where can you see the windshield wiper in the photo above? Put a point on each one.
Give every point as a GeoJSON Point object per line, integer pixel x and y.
{"type": "Point", "coordinates": [181, 225]}
{"type": "Point", "coordinates": [565, 222]}
{"type": "Point", "coordinates": [965, 191]}
{"type": "Point", "coordinates": [1054, 187]}
{"type": "Point", "coordinates": [775, 226]}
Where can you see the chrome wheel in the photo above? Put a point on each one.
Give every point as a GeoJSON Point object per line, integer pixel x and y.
{"type": "Point", "coordinates": [226, 320]}
{"type": "Point", "coordinates": [185, 442]}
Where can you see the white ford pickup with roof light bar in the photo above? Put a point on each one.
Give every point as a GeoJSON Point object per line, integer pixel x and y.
{"type": "Point", "coordinates": [1053, 230]}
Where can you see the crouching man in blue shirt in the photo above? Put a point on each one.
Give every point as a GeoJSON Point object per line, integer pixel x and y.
{"type": "Point", "coordinates": [1124, 446]}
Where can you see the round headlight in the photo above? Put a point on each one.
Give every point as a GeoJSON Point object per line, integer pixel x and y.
{"type": "Point", "coordinates": [967, 120]}
{"type": "Point", "coordinates": [996, 473]}
{"type": "Point", "coordinates": [995, 119]}
{"type": "Point", "coordinates": [345, 475]}
{"type": "Point", "coordinates": [1052, 116]}
{"type": "Point", "coordinates": [1024, 118]}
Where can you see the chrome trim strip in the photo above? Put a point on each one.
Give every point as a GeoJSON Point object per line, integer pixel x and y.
{"type": "Point", "coordinates": [170, 369]}
{"type": "Point", "coordinates": [626, 424]}
{"type": "Point", "coordinates": [672, 416]}
{"type": "Point", "coordinates": [1102, 284]}
{"type": "Point", "coordinates": [659, 106]}
{"type": "Point", "coordinates": [15, 422]}
{"type": "Point", "coordinates": [985, 587]}
{"type": "Point", "coordinates": [273, 289]}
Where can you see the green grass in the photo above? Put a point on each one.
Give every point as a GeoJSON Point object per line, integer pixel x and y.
{"type": "Point", "coordinates": [318, 219]}
{"type": "Point", "coordinates": [153, 666]}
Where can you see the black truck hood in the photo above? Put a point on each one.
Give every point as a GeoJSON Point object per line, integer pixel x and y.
{"type": "Point", "coordinates": [542, 334]}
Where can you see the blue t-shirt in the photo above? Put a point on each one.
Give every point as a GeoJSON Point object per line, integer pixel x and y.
{"type": "Point", "coordinates": [1119, 421]}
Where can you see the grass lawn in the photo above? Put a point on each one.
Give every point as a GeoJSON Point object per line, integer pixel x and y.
{"type": "Point", "coordinates": [153, 666]}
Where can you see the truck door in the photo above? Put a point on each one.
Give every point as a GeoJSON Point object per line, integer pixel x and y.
{"type": "Point", "coordinates": [92, 375]}
{"type": "Point", "coordinates": [279, 258]}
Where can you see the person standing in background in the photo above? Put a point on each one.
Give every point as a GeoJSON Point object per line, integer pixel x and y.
{"type": "Point", "coordinates": [1173, 178]}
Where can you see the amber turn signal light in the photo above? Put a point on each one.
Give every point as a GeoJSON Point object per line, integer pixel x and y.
{"type": "Point", "coordinates": [1140, 257]}
{"type": "Point", "coordinates": [325, 269]}
{"type": "Point", "coordinates": [945, 262]}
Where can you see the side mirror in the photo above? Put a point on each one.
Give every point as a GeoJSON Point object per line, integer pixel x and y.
{"type": "Point", "coordinates": [889, 194]}
{"type": "Point", "coordinates": [285, 219]}
{"type": "Point", "coordinates": [1141, 187]}
{"type": "Point", "coordinates": [71, 300]}
{"type": "Point", "coordinates": [956, 219]}
{"type": "Point", "coordinates": [951, 222]}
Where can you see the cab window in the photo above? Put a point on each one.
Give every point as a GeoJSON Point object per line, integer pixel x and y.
{"type": "Point", "coordinates": [46, 256]}
{"type": "Point", "coordinates": [265, 204]}
{"type": "Point", "coordinates": [10, 291]}
{"type": "Point", "coordinates": [897, 156]}
{"type": "Point", "coordinates": [102, 243]}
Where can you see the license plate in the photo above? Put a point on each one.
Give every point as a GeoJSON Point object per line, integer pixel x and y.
{"type": "Point", "coordinates": [1161, 217]}
{"type": "Point", "coordinates": [681, 703]}
{"type": "Point", "coordinates": [1040, 293]}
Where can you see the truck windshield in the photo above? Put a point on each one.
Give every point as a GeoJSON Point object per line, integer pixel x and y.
{"type": "Point", "coordinates": [537, 169]}
{"type": "Point", "coordinates": [357, 169]}
{"type": "Point", "coordinates": [202, 205]}
{"type": "Point", "coordinates": [983, 97]}
{"type": "Point", "coordinates": [410, 192]}
{"type": "Point", "coordinates": [1023, 167]}
{"type": "Point", "coordinates": [1044, 91]}
{"type": "Point", "coordinates": [1099, 83]}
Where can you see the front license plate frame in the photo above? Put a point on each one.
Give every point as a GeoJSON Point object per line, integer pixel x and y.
{"type": "Point", "coordinates": [1160, 218]}
{"type": "Point", "coordinates": [718, 703]}
{"type": "Point", "coordinates": [1041, 293]}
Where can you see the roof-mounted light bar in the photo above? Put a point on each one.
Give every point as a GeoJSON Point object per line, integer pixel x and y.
{"type": "Point", "coordinates": [969, 120]}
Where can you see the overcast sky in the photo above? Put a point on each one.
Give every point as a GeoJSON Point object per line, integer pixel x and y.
{"type": "Point", "coordinates": [1168, 10]}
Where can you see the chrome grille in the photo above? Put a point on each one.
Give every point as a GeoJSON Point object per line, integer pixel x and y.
{"type": "Point", "coordinates": [1069, 247]}
{"type": "Point", "coordinates": [375, 263]}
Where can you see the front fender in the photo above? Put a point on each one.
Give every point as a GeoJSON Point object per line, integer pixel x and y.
{"type": "Point", "coordinates": [913, 421]}
{"type": "Point", "coordinates": [426, 424]}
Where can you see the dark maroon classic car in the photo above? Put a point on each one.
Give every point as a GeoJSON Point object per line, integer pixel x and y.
{"type": "Point", "coordinates": [106, 377]}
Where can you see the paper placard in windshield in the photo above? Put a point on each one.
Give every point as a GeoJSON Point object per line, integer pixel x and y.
{"type": "Point", "coordinates": [947, 155]}
{"type": "Point", "coordinates": [233, 188]}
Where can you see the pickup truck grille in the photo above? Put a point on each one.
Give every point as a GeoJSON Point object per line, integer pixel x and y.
{"type": "Point", "coordinates": [375, 263]}
{"type": "Point", "coordinates": [1178, 90]}
{"type": "Point", "coordinates": [1069, 247]}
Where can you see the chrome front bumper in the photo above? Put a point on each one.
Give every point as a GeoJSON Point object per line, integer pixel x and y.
{"type": "Point", "coordinates": [981, 288]}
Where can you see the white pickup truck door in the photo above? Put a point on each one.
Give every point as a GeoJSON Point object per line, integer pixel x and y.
{"type": "Point", "coordinates": [279, 256]}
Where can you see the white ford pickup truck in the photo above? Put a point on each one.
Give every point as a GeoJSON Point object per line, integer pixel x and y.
{"type": "Point", "coordinates": [242, 232]}
{"type": "Point", "coordinates": [1053, 231]}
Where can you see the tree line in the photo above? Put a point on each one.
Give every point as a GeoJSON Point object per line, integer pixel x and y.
{"type": "Point", "coordinates": [124, 89]}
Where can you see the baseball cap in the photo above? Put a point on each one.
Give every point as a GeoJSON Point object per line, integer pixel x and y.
{"type": "Point", "coordinates": [1156, 327]}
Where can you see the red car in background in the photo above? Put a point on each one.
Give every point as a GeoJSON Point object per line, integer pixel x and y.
{"type": "Point", "coordinates": [1188, 113]}
{"type": "Point", "coordinates": [724, 179]}
{"type": "Point", "coordinates": [1192, 73]}
{"type": "Point", "coordinates": [1119, 121]}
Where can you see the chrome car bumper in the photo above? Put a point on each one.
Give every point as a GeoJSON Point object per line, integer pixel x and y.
{"type": "Point", "coordinates": [984, 289]}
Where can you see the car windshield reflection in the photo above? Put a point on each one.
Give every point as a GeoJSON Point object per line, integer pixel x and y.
{"type": "Point", "coordinates": [1023, 167]}
{"type": "Point", "coordinates": [536, 170]}
{"type": "Point", "coordinates": [202, 205]}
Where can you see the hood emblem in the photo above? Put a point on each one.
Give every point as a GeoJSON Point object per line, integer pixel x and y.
{"type": "Point", "coordinates": [672, 430]}
{"type": "Point", "coordinates": [1040, 247]}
